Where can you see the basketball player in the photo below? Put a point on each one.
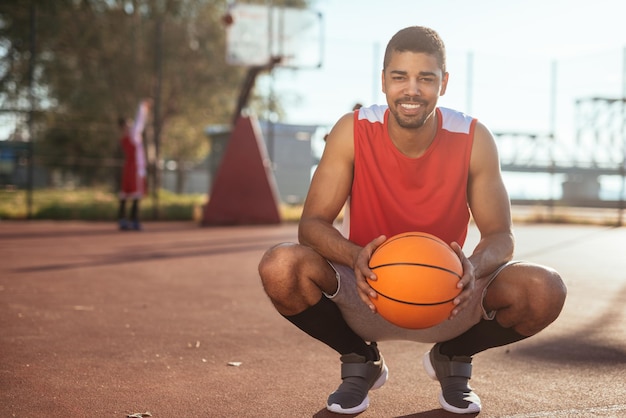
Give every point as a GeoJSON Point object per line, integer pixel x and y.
{"type": "Point", "coordinates": [133, 184]}
{"type": "Point", "coordinates": [408, 166]}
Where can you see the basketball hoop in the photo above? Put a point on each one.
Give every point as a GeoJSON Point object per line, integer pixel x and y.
{"type": "Point", "coordinates": [257, 35]}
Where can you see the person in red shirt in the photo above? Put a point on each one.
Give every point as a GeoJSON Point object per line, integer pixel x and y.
{"type": "Point", "coordinates": [408, 166]}
{"type": "Point", "coordinates": [133, 185]}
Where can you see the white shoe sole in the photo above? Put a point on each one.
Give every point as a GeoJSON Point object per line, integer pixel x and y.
{"type": "Point", "coordinates": [473, 408]}
{"type": "Point", "coordinates": [336, 408]}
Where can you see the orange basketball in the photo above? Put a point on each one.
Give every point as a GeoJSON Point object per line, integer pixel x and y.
{"type": "Point", "coordinates": [417, 274]}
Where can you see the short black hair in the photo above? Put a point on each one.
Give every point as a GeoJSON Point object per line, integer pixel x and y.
{"type": "Point", "coordinates": [417, 39]}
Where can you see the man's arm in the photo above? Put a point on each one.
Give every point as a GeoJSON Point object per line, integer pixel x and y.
{"type": "Point", "coordinates": [490, 206]}
{"type": "Point", "coordinates": [329, 189]}
{"type": "Point", "coordinates": [140, 120]}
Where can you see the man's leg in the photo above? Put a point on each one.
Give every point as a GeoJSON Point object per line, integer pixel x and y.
{"type": "Point", "coordinates": [134, 215]}
{"type": "Point", "coordinates": [526, 298]}
{"type": "Point", "coordinates": [295, 278]}
{"type": "Point", "coordinates": [121, 215]}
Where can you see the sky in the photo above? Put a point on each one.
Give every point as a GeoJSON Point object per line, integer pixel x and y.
{"type": "Point", "coordinates": [514, 47]}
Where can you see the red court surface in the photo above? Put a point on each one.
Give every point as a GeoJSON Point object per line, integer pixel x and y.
{"type": "Point", "coordinates": [173, 321]}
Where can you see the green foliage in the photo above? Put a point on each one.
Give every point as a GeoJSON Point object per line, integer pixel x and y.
{"type": "Point", "coordinates": [96, 59]}
{"type": "Point", "coordinates": [102, 205]}
{"type": "Point", "coordinates": [94, 205]}
{"type": "Point", "coordinates": [82, 64]}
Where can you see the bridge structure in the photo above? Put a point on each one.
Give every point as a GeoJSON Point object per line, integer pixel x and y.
{"type": "Point", "coordinates": [597, 149]}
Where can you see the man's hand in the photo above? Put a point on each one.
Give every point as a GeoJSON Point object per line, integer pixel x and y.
{"type": "Point", "coordinates": [466, 284]}
{"type": "Point", "coordinates": [147, 103]}
{"type": "Point", "coordinates": [362, 272]}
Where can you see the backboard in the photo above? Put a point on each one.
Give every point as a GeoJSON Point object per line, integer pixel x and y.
{"type": "Point", "coordinates": [256, 34]}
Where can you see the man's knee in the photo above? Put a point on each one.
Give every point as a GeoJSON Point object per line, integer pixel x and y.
{"type": "Point", "coordinates": [548, 291]}
{"type": "Point", "coordinates": [528, 297]}
{"type": "Point", "coordinates": [293, 277]}
{"type": "Point", "coordinates": [277, 264]}
{"type": "Point", "coordinates": [545, 295]}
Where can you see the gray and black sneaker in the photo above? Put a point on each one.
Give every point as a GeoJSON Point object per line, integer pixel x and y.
{"type": "Point", "coordinates": [359, 377]}
{"type": "Point", "coordinates": [453, 375]}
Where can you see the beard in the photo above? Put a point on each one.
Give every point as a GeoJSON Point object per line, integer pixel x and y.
{"type": "Point", "coordinates": [410, 122]}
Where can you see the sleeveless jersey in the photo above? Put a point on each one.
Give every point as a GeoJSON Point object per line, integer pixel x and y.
{"type": "Point", "coordinates": [392, 193]}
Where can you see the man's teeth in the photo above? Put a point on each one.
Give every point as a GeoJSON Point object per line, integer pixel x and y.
{"type": "Point", "coordinates": [410, 106]}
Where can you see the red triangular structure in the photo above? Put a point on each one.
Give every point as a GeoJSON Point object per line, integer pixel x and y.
{"type": "Point", "coordinates": [244, 190]}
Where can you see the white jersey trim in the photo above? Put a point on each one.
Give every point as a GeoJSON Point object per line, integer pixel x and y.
{"type": "Point", "coordinates": [374, 113]}
{"type": "Point", "coordinates": [455, 121]}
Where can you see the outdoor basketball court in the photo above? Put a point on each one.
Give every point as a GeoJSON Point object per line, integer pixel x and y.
{"type": "Point", "coordinates": [173, 321]}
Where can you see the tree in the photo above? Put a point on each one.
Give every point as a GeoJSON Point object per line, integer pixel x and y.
{"type": "Point", "coordinates": [95, 59]}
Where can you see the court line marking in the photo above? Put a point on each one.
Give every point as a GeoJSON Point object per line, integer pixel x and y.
{"type": "Point", "coordinates": [568, 412]}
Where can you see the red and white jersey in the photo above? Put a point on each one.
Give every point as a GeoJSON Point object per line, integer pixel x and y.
{"type": "Point", "coordinates": [392, 193]}
{"type": "Point", "coordinates": [134, 171]}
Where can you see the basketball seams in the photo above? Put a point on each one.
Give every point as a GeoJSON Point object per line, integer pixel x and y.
{"type": "Point", "coordinates": [406, 302]}
{"type": "Point", "coordinates": [415, 234]}
{"type": "Point", "coordinates": [418, 265]}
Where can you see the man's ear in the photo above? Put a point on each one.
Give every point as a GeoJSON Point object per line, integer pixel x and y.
{"type": "Point", "coordinates": [444, 84]}
{"type": "Point", "coordinates": [382, 79]}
